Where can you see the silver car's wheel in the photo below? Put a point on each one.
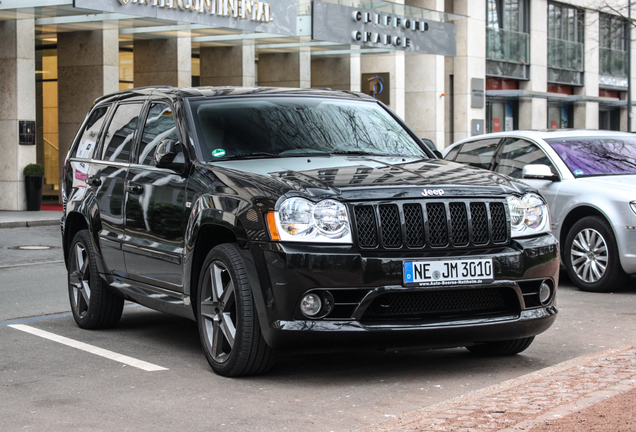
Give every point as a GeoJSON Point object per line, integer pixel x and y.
{"type": "Point", "coordinates": [591, 256]}
{"type": "Point", "coordinates": [228, 323]}
{"type": "Point", "coordinates": [93, 305]}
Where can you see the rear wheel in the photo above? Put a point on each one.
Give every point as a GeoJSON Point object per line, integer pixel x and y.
{"type": "Point", "coordinates": [92, 304]}
{"type": "Point", "coordinates": [501, 348]}
{"type": "Point", "coordinates": [228, 323]}
{"type": "Point", "coordinates": [591, 256]}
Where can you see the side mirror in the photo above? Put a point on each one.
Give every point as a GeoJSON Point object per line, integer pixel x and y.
{"type": "Point", "coordinates": [538, 172]}
{"type": "Point", "coordinates": [431, 146]}
{"type": "Point", "coordinates": [169, 154]}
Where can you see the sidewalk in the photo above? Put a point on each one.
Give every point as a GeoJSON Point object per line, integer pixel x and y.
{"type": "Point", "coordinates": [594, 392]}
{"type": "Point", "coordinates": [23, 219]}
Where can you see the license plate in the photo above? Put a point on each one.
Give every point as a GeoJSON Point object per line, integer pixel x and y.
{"type": "Point", "coordinates": [448, 272]}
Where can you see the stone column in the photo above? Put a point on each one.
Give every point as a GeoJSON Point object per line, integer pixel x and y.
{"type": "Point", "coordinates": [469, 63]}
{"type": "Point", "coordinates": [424, 103]}
{"type": "Point", "coordinates": [17, 96]}
{"type": "Point", "coordinates": [533, 112]}
{"type": "Point", "coordinates": [337, 73]}
{"type": "Point", "coordinates": [586, 113]}
{"type": "Point", "coordinates": [88, 67]}
{"type": "Point", "coordinates": [285, 69]}
{"type": "Point", "coordinates": [163, 62]}
{"type": "Point", "coordinates": [229, 66]}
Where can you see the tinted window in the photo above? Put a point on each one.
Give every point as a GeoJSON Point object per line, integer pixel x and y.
{"type": "Point", "coordinates": [588, 156]}
{"type": "Point", "coordinates": [121, 132]}
{"type": "Point", "coordinates": [160, 125]}
{"type": "Point", "coordinates": [518, 153]}
{"type": "Point", "coordinates": [298, 126]}
{"type": "Point", "coordinates": [478, 153]}
{"type": "Point", "coordinates": [90, 134]}
{"type": "Point", "coordinates": [453, 153]}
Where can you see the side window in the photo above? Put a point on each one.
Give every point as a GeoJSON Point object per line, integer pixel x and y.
{"type": "Point", "coordinates": [90, 134]}
{"type": "Point", "coordinates": [160, 125]}
{"type": "Point", "coordinates": [453, 153]}
{"type": "Point", "coordinates": [121, 132]}
{"type": "Point", "coordinates": [518, 153]}
{"type": "Point", "coordinates": [478, 153]}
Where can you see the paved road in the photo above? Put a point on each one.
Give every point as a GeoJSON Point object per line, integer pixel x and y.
{"type": "Point", "coordinates": [46, 385]}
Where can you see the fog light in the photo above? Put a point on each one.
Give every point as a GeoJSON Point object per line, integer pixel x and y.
{"type": "Point", "coordinates": [311, 305]}
{"type": "Point", "coordinates": [544, 292]}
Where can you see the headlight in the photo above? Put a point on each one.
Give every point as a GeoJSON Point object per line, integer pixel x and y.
{"type": "Point", "coordinates": [299, 219]}
{"type": "Point", "coordinates": [633, 206]}
{"type": "Point", "coordinates": [529, 215]}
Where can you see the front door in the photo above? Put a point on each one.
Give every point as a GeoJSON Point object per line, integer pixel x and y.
{"type": "Point", "coordinates": [155, 214]}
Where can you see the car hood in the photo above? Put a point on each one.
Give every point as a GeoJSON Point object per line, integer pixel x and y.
{"type": "Point", "coordinates": [623, 185]}
{"type": "Point", "coordinates": [352, 178]}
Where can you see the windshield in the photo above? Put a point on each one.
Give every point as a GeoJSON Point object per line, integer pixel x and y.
{"type": "Point", "coordinates": [595, 156]}
{"type": "Point", "coordinates": [298, 126]}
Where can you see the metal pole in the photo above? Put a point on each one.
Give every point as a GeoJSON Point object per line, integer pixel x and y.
{"type": "Point", "coordinates": [629, 66]}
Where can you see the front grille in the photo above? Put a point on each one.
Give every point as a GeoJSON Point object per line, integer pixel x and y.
{"type": "Point", "coordinates": [434, 225]}
{"type": "Point", "coordinates": [448, 304]}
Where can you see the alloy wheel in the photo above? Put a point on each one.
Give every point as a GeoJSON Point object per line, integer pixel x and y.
{"type": "Point", "coordinates": [218, 311]}
{"type": "Point", "coordinates": [589, 255]}
{"type": "Point", "coordinates": [80, 280]}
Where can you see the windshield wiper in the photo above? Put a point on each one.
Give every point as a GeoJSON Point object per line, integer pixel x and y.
{"type": "Point", "coordinates": [354, 153]}
{"type": "Point", "coordinates": [255, 155]}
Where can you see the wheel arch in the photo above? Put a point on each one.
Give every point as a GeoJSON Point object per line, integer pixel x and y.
{"type": "Point", "coordinates": [74, 223]}
{"type": "Point", "coordinates": [208, 236]}
{"type": "Point", "coordinates": [574, 216]}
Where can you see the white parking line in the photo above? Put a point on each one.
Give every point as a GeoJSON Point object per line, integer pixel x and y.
{"type": "Point", "coordinates": [89, 348]}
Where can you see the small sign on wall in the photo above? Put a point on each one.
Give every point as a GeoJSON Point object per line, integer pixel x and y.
{"type": "Point", "coordinates": [477, 127]}
{"type": "Point", "coordinates": [477, 93]}
{"type": "Point", "coordinates": [377, 85]}
{"type": "Point", "coordinates": [26, 132]}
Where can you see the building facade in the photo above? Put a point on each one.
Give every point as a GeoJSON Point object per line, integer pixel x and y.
{"type": "Point", "coordinates": [449, 68]}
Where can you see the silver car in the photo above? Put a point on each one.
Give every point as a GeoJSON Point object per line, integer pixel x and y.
{"type": "Point", "coordinates": [589, 181]}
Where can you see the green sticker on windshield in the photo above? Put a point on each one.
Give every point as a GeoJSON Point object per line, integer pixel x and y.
{"type": "Point", "coordinates": [218, 152]}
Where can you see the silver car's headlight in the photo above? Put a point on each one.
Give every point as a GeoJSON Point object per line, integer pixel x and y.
{"type": "Point", "coordinates": [299, 219]}
{"type": "Point", "coordinates": [529, 215]}
{"type": "Point", "coordinates": [633, 206]}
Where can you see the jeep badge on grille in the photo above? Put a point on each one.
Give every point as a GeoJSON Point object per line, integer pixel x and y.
{"type": "Point", "coordinates": [432, 192]}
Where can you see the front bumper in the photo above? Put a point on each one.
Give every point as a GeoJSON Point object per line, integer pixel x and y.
{"type": "Point", "coordinates": [281, 274]}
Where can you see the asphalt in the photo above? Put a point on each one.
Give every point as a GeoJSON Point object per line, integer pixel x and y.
{"type": "Point", "coordinates": [522, 404]}
{"type": "Point", "coordinates": [25, 219]}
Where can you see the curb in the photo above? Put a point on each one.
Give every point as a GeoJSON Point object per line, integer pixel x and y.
{"type": "Point", "coordinates": [29, 224]}
{"type": "Point", "coordinates": [524, 402]}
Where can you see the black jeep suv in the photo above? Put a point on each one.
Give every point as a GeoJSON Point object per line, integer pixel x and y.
{"type": "Point", "coordinates": [306, 219]}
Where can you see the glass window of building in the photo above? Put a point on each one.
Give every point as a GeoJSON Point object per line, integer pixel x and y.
{"type": "Point", "coordinates": [613, 45]}
{"type": "Point", "coordinates": [507, 37]}
{"type": "Point", "coordinates": [565, 37]}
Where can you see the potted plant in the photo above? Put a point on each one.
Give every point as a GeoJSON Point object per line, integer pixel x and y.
{"type": "Point", "coordinates": [33, 174]}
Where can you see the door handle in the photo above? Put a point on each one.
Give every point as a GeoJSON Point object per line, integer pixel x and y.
{"type": "Point", "coordinates": [135, 189]}
{"type": "Point", "coordinates": [94, 181]}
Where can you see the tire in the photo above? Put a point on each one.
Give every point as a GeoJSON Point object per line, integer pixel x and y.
{"type": "Point", "coordinates": [228, 323]}
{"type": "Point", "coordinates": [591, 256]}
{"type": "Point", "coordinates": [93, 305]}
{"type": "Point", "coordinates": [502, 348]}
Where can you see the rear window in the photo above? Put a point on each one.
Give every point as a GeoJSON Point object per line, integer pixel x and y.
{"type": "Point", "coordinates": [285, 126]}
{"type": "Point", "coordinates": [597, 156]}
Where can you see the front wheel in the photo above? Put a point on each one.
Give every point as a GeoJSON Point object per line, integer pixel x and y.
{"type": "Point", "coordinates": [591, 256]}
{"type": "Point", "coordinates": [501, 348]}
{"type": "Point", "coordinates": [228, 323]}
{"type": "Point", "coordinates": [94, 306]}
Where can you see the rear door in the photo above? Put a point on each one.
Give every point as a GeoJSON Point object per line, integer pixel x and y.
{"type": "Point", "coordinates": [155, 206]}
{"type": "Point", "coordinates": [107, 176]}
